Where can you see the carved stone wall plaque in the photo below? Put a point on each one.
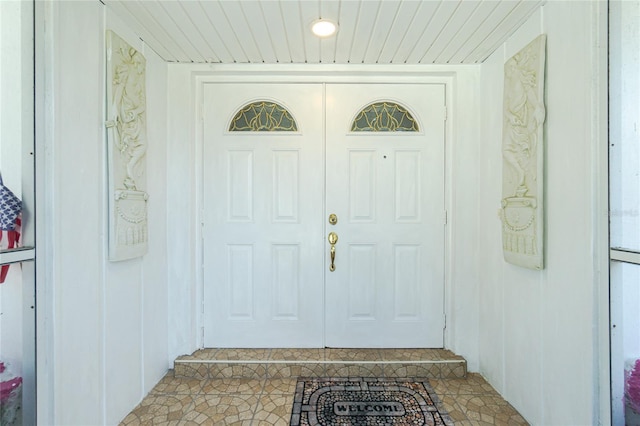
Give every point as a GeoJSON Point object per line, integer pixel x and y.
{"type": "Point", "coordinates": [127, 147]}
{"type": "Point", "coordinates": [522, 211]}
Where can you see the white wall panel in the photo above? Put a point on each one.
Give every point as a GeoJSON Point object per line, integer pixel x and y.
{"type": "Point", "coordinates": [108, 347]}
{"type": "Point", "coordinates": [182, 232]}
{"type": "Point", "coordinates": [79, 283]}
{"type": "Point", "coordinates": [540, 328]}
{"type": "Point", "coordinates": [155, 295]}
{"type": "Point", "coordinates": [462, 290]}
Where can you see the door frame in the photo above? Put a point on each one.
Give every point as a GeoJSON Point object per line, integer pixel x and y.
{"type": "Point", "coordinates": [322, 74]}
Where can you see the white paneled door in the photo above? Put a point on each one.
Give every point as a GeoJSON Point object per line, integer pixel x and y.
{"type": "Point", "coordinates": [269, 189]}
{"type": "Point", "coordinates": [387, 190]}
{"type": "Point", "coordinates": [263, 208]}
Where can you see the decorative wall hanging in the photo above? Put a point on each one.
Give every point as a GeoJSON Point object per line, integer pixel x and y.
{"type": "Point", "coordinates": [10, 224]}
{"type": "Point", "coordinates": [523, 153]}
{"type": "Point", "coordinates": [127, 148]}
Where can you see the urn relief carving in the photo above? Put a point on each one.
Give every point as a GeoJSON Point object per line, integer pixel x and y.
{"type": "Point", "coordinates": [127, 147]}
{"type": "Point", "coordinates": [522, 210]}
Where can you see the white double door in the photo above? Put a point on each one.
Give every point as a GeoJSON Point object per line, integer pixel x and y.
{"type": "Point", "coordinates": [267, 201]}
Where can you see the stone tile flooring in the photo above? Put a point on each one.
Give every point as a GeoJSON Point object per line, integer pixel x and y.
{"type": "Point", "coordinates": [269, 401]}
{"type": "Point", "coordinates": [257, 386]}
{"type": "Point", "coordinates": [284, 363]}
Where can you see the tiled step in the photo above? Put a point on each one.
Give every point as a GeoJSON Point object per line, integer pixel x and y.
{"type": "Point", "coordinates": [285, 363]}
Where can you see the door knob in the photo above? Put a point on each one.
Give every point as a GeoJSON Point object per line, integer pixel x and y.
{"type": "Point", "coordinates": [333, 239]}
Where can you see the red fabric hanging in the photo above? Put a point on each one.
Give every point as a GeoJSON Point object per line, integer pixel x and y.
{"type": "Point", "coordinates": [11, 239]}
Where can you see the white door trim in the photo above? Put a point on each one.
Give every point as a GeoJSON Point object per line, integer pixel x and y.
{"type": "Point", "coordinates": [307, 74]}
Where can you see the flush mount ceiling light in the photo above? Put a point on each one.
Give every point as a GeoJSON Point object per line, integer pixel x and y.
{"type": "Point", "coordinates": [324, 28]}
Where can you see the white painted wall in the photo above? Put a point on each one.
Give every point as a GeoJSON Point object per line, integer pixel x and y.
{"type": "Point", "coordinates": [183, 213]}
{"type": "Point", "coordinates": [624, 123]}
{"type": "Point", "coordinates": [538, 334]}
{"type": "Point", "coordinates": [185, 286]}
{"type": "Point", "coordinates": [463, 248]}
{"type": "Point", "coordinates": [103, 325]}
{"type": "Point", "coordinates": [624, 95]}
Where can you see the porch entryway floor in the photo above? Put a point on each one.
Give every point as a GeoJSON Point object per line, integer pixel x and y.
{"type": "Point", "coordinates": [256, 386]}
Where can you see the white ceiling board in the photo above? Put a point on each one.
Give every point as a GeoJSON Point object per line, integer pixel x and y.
{"type": "Point", "coordinates": [172, 31]}
{"type": "Point", "coordinates": [365, 25]}
{"type": "Point", "coordinates": [503, 10]}
{"type": "Point", "coordinates": [234, 13]}
{"type": "Point", "coordinates": [508, 26]}
{"type": "Point", "coordinates": [294, 29]}
{"type": "Point", "coordinates": [438, 21]}
{"type": "Point", "coordinates": [454, 26]}
{"type": "Point", "coordinates": [278, 31]}
{"type": "Point", "coordinates": [218, 50]}
{"type": "Point", "coordinates": [260, 31]}
{"type": "Point", "coordinates": [466, 31]}
{"type": "Point", "coordinates": [221, 24]}
{"type": "Point", "coordinates": [184, 24]}
{"type": "Point", "coordinates": [120, 9]}
{"type": "Point", "coordinates": [348, 20]}
{"type": "Point", "coordinates": [329, 10]}
{"type": "Point", "coordinates": [415, 28]}
{"type": "Point", "coordinates": [309, 12]}
{"type": "Point", "coordinates": [387, 14]}
{"type": "Point", "coordinates": [406, 12]}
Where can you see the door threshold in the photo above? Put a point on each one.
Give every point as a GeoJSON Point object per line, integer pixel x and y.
{"type": "Point", "coordinates": [217, 363]}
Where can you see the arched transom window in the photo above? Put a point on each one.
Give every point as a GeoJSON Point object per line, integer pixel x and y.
{"type": "Point", "coordinates": [384, 117]}
{"type": "Point", "coordinates": [263, 116]}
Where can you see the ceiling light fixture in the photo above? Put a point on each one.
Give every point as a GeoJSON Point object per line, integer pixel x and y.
{"type": "Point", "coordinates": [324, 28]}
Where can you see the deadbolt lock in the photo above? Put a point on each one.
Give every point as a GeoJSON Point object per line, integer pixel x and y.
{"type": "Point", "coordinates": [333, 219]}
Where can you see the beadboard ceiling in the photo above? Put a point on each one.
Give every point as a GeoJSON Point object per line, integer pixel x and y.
{"type": "Point", "coordinates": [370, 31]}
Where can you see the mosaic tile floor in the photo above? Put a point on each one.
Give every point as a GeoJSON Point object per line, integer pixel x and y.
{"type": "Point", "coordinates": [267, 398]}
{"type": "Point", "coordinates": [256, 402]}
{"type": "Point", "coordinates": [284, 363]}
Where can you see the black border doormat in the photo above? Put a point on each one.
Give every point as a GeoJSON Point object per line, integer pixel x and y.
{"type": "Point", "coordinates": [366, 401]}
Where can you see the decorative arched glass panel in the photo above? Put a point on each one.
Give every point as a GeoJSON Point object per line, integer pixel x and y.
{"type": "Point", "coordinates": [384, 117]}
{"type": "Point", "coordinates": [263, 116]}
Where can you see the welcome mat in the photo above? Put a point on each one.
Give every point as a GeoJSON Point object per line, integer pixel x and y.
{"type": "Point", "coordinates": [366, 401]}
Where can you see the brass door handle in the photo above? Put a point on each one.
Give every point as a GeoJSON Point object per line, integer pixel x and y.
{"type": "Point", "coordinates": [333, 239]}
